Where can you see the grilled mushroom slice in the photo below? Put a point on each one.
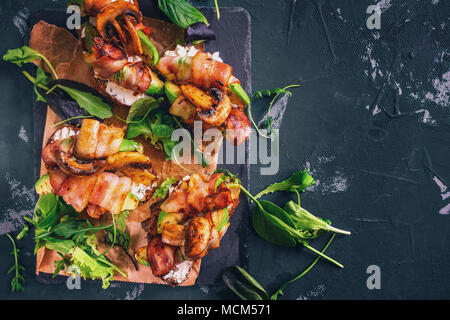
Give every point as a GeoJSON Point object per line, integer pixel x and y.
{"type": "Point", "coordinates": [117, 23]}
{"type": "Point", "coordinates": [71, 165]}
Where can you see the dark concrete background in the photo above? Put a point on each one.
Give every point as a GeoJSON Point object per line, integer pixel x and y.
{"type": "Point", "coordinates": [371, 120]}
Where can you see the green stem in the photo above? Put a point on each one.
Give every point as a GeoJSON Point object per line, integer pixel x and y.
{"type": "Point", "coordinates": [307, 269]}
{"type": "Point", "coordinates": [33, 80]}
{"type": "Point", "coordinates": [217, 9]}
{"type": "Point", "coordinates": [114, 238]}
{"type": "Point", "coordinates": [323, 255]}
{"type": "Point", "coordinates": [55, 75]}
{"type": "Point", "coordinates": [64, 121]}
{"type": "Point", "coordinates": [254, 123]}
{"type": "Point", "coordinates": [76, 231]}
{"type": "Point", "coordinates": [16, 262]}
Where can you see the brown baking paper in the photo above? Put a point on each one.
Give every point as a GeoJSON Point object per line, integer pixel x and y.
{"type": "Point", "coordinates": [64, 51]}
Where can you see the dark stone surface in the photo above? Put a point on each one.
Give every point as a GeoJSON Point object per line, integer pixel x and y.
{"type": "Point", "coordinates": [371, 120]}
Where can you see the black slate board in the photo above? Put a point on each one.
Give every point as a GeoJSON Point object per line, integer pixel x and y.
{"type": "Point", "coordinates": [234, 44]}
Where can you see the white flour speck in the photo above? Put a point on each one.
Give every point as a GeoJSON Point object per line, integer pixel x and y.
{"type": "Point", "coordinates": [205, 289]}
{"type": "Point", "coordinates": [23, 134]}
{"type": "Point", "coordinates": [426, 117]}
{"type": "Point", "coordinates": [23, 202]}
{"type": "Point", "coordinates": [20, 20]}
{"type": "Point", "coordinates": [135, 293]}
{"type": "Point", "coordinates": [442, 87]}
{"type": "Point", "coordinates": [276, 112]}
{"type": "Point", "coordinates": [384, 5]}
{"type": "Point", "coordinates": [338, 184]}
{"type": "Point", "coordinates": [445, 210]}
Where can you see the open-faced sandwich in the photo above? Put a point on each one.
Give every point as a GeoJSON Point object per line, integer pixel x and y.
{"type": "Point", "coordinates": [126, 66]}
{"type": "Point", "coordinates": [107, 201]}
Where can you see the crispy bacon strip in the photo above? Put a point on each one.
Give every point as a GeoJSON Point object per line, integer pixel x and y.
{"type": "Point", "coordinates": [237, 127]}
{"type": "Point", "coordinates": [76, 191]}
{"type": "Point", "coordinates": [208, 73]}
{"type": "Point", "coordinates": [201, 196]}
{"type": "Point", "coordinates": [110, 192]}
{"type": "Point", "coordinates": [135, 77]}
{"type": "Point", "coordinates": [106, 59]}
{"type": "Point", "coordinates": [160, 256]}
{"type": "Point", "coordinates": [202, 71]}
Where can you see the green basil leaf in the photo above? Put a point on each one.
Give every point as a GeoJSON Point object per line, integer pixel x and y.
{"type": "Point", "coordinates": [141, 108]}
{"type": "Point", "coordinates": [94, 105]}
{"type": "Point", "coordinates": [181, 13]}
{"type": "Point", "coordinates": [243, 284]}
{"type": "Point", "coordinates": [162, 130]}
{"type": "Point", "coordinates": [136, 129]}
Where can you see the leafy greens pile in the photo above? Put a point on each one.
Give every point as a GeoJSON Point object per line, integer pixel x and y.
{"type": "Point", "coordinates": [58, 227]}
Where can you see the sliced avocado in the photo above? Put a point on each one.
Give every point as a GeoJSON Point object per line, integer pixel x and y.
{"type": "Point", "coordinates": [131, 202]}
{"type": "Point", "coordinates": [172, 91]}
{"type": "Point", "coordinates": [156, 86]}
{"type": "Point", "coordinates": [141, 256]}
{"type": "Point", "coordinates": [220, 218]}
{"type": "Point", "coordinates": [131, 145]}
{"type": "Point", "coordinates": [237, 89]}
{"type": "Point", "coordinates": [43, 185]}
{"type": "Point", "coordinates": [165, 217]}
{"type": "Point", "coordinates": [150, 55]}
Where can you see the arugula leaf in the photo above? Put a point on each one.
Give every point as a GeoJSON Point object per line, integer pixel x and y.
{"type": "Point", "coordinates": [16, 284]}
{"type": "Point", "coordinates": [298, 182]}
{"type": "Point", "coordinates": [163, 188]}
{"type": "Point", "coordinates": [181, 13]}
{"type": "Point", "coordinates": [25, 54]}
{"type": "Point", "coordinates": [94, 105]}
{"type": "Point", "coordinates": [307, 223]}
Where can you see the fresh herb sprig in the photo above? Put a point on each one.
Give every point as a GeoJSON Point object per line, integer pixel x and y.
{"type": "Point", "coordinates": [292, 225]}
{"type": "Point", "coordinates": [93, 104]}
{"type": "Point", "coordinates": [268, 93]}
{"type": "Point", "coordinates": [17, 280]}
{"type": "Point", "coordinates": [25, 54]}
